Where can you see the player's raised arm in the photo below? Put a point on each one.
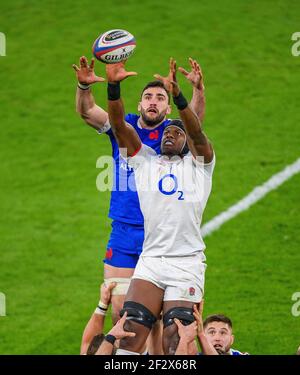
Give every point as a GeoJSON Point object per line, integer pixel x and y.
{"type": "Point", "coordinates": [125, 134]}
{"type": "Point", "coordinates": [92, 114]}
{"type": "Point", "coordinates": [195, 77]}
{"type": "Point", "coordinates": [96, 322]}
{"type": "Point", "coordinates": [198, 143]}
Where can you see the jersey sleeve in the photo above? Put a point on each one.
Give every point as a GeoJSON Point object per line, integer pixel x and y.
{"type": "Point", "coordinates": [207, 167]}
{"type": "Point", "coordinates": [141, 157]}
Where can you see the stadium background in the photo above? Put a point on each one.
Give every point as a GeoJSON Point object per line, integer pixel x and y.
{"type": "Point", "coordinates": [54, 225]}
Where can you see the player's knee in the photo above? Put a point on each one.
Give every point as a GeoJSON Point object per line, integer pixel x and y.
{"type": "Point", "coordinates": [138, 313]}
{"type": "Point", "coordinates": [136, 343]}
{"type": "Point", "coordinates": [140, 321]}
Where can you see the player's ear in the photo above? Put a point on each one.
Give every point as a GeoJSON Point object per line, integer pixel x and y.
{"type": "Point", "coordinates": [232, 340]}
{"type": "Point", "coordinates": [139, 107]}
{"type": "Point", "coordinates": [169, 109]}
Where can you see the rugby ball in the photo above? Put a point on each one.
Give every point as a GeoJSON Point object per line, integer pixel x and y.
{"type": "Point", "coordinates": [114, 46]}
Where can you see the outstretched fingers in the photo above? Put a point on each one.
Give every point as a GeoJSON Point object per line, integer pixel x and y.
{"type": "Point", "coordinates": [195, 66]}
{"type": "Point", "coordinates": [83, 62]}
{"type": "Point", "coordinates": [131, 74]}
{"type": "Point", "coordinates": [159, 77]}
{"type": "Point", "coordinates": [123, 319]}
{"type": "Point", "coordinates": [201, 305]}
{"type": "Point", "coordinates": [192, 63]}
{"type": "Point", "coordinates": [121, 322]}
{"type": "Point", "coordinates": [172, 66]}
{"type": "Point", "coordinates": [92, 64]}
{"type": "Point", "coordinates": [112, 285]}
{"type": "Point", "coordinates": [129, 334]}
{"type": "Point", "coordinates": [178, 323]}
{"type": "Point", "coordinates": [183, 71]}
{"type": "Point", "coordinates": [99, 79]}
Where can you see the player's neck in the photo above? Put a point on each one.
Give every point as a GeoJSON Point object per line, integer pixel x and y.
{"type": "Point", "coordinates": [149, 127]}
{"type": "Point", "coordinates": [172, 157]}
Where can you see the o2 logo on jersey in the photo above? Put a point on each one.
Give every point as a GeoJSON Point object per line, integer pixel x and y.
{"type": "Point", "coordinates": [173, 188]}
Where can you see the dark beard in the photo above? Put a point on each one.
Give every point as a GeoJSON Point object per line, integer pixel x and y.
{"type": "Point", "coordinates": [221, 352]}
{"type": "Point", "coordinates": [152, 122]}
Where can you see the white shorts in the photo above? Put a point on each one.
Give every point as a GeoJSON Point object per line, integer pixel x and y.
{"type": "Point", "coordinates": [182, 278]}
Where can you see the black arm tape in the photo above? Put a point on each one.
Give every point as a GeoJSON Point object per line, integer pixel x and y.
{"type": "Point", "coordinates": [113, 91]}
{"type": "Point", "coordinates": [138, 313]}
{"type": "Point", "coordinates": [180, 101]}
{"type": "Point", "coordinates": [184, 314]}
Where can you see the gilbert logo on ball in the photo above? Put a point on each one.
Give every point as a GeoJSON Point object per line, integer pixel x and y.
{"type": "Point", "coordinates": [114, 46]}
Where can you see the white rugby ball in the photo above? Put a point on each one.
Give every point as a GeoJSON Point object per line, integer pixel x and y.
{"type": "Point", "coordinates": [114, 46]}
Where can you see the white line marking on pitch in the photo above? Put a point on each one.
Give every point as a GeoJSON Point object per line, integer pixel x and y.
{"type": "Point", "coordinates": [256, 194]}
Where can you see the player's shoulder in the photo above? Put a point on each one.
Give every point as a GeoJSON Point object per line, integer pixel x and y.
{"type": "Point", "coordinates": [146, 150]}
{"type": "Point", "coordinates": [132, 119]}
{"type": "Point", "coordinates": [143, 156]}
{"type": "Point", "coordinates": [166, 122]}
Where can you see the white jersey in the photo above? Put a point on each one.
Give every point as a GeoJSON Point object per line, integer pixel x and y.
{"type": "Point", "coordinates": [172, 194]}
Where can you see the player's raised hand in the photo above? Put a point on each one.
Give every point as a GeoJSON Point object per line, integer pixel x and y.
{"type": "Point", "coordinates": [105, 292]}
{"type": "Point", "coordinates": [198, 316]}
{"type": "Point", "coordinates": [118, 329]}
{"type": "Point", "coordinates": [85, 74]}
{"type": "Point", "coordinates": [116, 72]}
{"type": "Point", "coordinates": [195, 76]}
{"type": "Point", "coordinates": [188, 332]}
{"type": "Point", "coordinates": [170, 81]}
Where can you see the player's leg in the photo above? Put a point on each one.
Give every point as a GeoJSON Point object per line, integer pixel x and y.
{"type": "Point", "coordinates": [122, 277]}
{"type": "Point", "coordinates": [182, 310]}
{"type": "Point", "coordinates": [122, 253]}
{"type": "Point", "coordinates": [184, 282]}
{"type": "Point", "coordinates": [143, 305]}
{"type": "Point", "coordinates": [154, 340]}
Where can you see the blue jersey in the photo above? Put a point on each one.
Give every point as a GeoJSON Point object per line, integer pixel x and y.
{"type": "Point", "coordinates": [124, 202]}
{"type": "Point", "coordinates": [232, 352]}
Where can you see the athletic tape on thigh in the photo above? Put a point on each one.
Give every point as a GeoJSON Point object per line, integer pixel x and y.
{"type": "Point", "coordinates": [122, 285]}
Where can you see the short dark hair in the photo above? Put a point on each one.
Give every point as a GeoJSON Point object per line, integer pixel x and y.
{"type": "Point", "coordinates": [217, 318]}
{"type": "Point", "coordinates": [156, 84]}
{"type": "Point", "coordinates": [176, 122]}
